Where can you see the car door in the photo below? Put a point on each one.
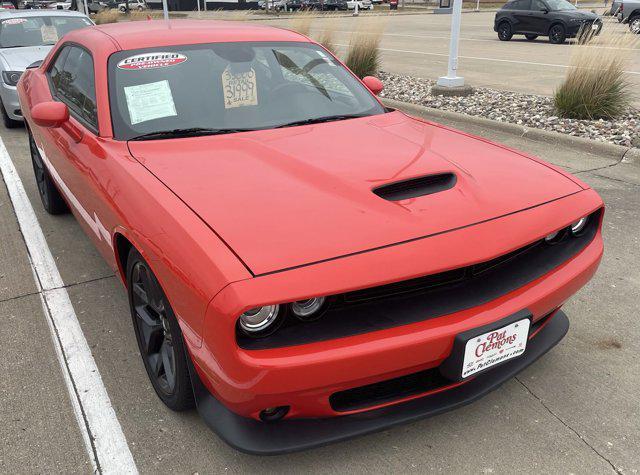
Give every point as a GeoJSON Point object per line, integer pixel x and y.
{"type": "Point", "coordinates": [539, 18]}
{"type": "Point", "coordinates": [520, 11]}
{"type": "Point", "coordinates": [73, 153]}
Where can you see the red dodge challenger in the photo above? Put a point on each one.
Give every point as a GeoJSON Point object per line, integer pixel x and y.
{"type": "Point", "coordinates": [302, 263]}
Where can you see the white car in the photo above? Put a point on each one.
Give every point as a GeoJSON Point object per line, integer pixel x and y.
{"type": "Point", "coordinates": [60, 5]}
{"type": "Point", "coordinates": [133, 5]}
{"type": "Point", "coordinates": [362, 4]}
{"type": "Point", "coordinates": [273, 4]}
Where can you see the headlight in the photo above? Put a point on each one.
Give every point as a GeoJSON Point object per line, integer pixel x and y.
{"type": "Point", "coordinates": [307, 309]}
{"type": "Point", "coordinates": [11, 78]}
{"type": "Point", "coordinates": [578, 226]}
{"type": "Point", "coordinates": [555, 237]}
{"type": "Point", "coordinates": [261, 320]}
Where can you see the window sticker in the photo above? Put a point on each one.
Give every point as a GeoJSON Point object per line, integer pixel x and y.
{"type": "Point", "coordinates": [239, 88]}
{"type": "Point", "coordinates": [149, 101]}
{"type": "Point", "coordinates": [49, 34]}
{"type": "Point", "coordinates": [14, 21]}
{"type": "Point", "coordinates": [151, 61]}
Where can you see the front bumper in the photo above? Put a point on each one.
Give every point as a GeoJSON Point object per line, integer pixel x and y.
{"type": "Point", "coordinates": [289, 435]}
{"type": "Point", "coordinates": [10, 101]}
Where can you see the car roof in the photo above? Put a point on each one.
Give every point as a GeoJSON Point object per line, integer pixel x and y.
{"type": "Point", "coordinates": [158, 33]}
{"type": "Point", "coordinates": [4, 14]}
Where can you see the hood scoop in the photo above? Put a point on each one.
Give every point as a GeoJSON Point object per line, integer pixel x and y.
{"type": "Point", "coordinates": [415, 187]}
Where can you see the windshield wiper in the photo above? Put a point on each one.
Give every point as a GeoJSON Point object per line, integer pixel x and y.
{"type": "Point", "coordinates": [319, 120]}
{"type": "Point", "coordinates": [190, 132]}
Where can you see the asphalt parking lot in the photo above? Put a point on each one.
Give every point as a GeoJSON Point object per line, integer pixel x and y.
{"type": "Point", "coordinates": [418, 45]}
{"type": "Point", "coordinates": [574, 411]}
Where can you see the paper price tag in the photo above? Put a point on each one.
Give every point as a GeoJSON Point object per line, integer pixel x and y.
{"type": "Point", "coordinates": [239, 88]}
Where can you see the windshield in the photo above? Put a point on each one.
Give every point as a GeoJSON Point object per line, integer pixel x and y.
{"type": "Point", "coordinates": [230, 87]}
{"type": "Point", "coordinates": [560, 5]}
{"type": "Point", "coordinates": [37, 30]}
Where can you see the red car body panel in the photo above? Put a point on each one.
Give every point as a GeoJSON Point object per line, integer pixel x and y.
{"type": "Point", "coordinates": [308, 204]}
{"type": "Point", "coordinates": [228, 223]}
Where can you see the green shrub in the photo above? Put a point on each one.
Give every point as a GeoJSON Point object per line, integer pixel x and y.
{"type": "Point", "coordinates": [595, 86]}
{"type": "Point", "coordinates": [363, 57]}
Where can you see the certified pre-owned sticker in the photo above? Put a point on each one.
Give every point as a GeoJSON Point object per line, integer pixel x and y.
{"type": "Point", "coordinates": [151, 61]}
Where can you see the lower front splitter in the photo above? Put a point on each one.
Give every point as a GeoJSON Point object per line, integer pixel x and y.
{"type": "Point", "coordinates": [290, 435]}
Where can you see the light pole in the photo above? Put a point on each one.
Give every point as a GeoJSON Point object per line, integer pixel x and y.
{"type": "Point", "coordinates": [452, 79]}
{"type": "Point", "coordinates": [165, 8]}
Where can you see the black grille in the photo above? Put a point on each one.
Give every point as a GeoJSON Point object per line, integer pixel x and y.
{"type": "Point", "coordinates": [414, 187]}
{"type": "Point", "coordinates": [426, 297]}
{"type": "Point", "coordinates": [387, 391]}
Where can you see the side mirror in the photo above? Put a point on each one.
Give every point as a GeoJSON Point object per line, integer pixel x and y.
{"type": "Point", "coordinates": [35, 64]}
{"type": "Point", "coordinates": [545, 11]}
{"type": "Point", "coordinates": [50, 114]}
{"type": "Point", "coordinates": [374, 84]}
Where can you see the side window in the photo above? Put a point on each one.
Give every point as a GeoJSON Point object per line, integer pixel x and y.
{"type": "Point", "coordinates": [518, 5]}
{"type": "Point", "coordinates": [73, 82]}
{"type": "Point", "coordinates": [538, 5]}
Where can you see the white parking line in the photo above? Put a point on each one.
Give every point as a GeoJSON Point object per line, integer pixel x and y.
{"type": "Point", "coordinates": [480, 58]}
{"type": "Point", "coordinates": [103, 437]}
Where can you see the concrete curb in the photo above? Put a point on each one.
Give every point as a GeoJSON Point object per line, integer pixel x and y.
{"type": "Point", "coordinates": [627, 155]}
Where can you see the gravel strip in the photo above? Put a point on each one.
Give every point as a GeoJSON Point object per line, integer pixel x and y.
{"type": "Point", "coordinates": [522, 109]}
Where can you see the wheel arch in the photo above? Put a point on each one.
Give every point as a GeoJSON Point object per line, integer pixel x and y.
{"type": "Point", "coordinates": [556, 22]}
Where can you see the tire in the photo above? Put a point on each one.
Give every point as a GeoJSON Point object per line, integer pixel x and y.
{"type": "Point", "coordinates": [634, 24]}
{"type": "Point", "coordinates": [8, 122]}
{"type": "Point", "coordinates": [530, 37]}
{"type": "Point", "coordinates": [52, 200]}
{"type": "Point", "coordinates": [158, 335]}
{"type": "Point", "coordinates": [504, 31]}
{"type": "Point", "coordinates": [557, 34]}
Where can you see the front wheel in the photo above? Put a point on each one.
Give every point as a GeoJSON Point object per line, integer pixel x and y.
{"type": "Point", "coordinates": [51, 199]}
{"type": "Point", "coordinates": [557, 34]}
{"type": "Point", "coordinates": [159, 336]}
{"type": "Point", "coordinates": [530, 37]}
{"type": "Point", "coordinates": [634, 24]}
{"type": "Point", "coordinates": [504, 31]}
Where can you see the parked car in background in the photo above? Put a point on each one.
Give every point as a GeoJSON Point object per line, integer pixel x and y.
{"type": "Point", "coordinates": [98, 6]}
{"type": "Point", "coordinates": [26, 36]}
{"type": "Point", "coordinates": [60, 6]}
{"type": "Point", "coordinates": [362, 4]}
{"type": "Point", "coordinates": [272, 4]}
{"type": "Point", "coordinates": [629, 12]}
{"type": "Point", "coordinates": [615, 7]}
{"type": "Point", "coordinates": [557, 19]}
{"type": "Point", "coordinates": [138, 5]}
{"type": "Point", "coordinates": [7, 6]}
{"type": "Point", "coordinates": [335, 5]}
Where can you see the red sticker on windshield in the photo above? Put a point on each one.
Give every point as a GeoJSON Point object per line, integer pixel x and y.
{"type": "Point", "coordinates": [151, 61]}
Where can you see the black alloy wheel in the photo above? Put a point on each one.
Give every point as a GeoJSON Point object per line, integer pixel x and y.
{"type": "Point", "coordinates": [634, 24]}
{"type": "Point", "coordinates": [52, 201]}
{"type": "Point", "coordinates": [159, 336]}
{"type": "Point", "coordinates": [504, 31]}
{"type": "Point", "coordinates": [530, 37]}
{"type": "Point", "coordinates": [557, 34]}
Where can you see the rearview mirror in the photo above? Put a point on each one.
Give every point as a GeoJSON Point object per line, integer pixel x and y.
{"type": "Point", "coordinates": [50, 114]}
{"type": "Point", "coordinates": [374, 84]}
{"type": "Point", "coordinates": [35, 64]}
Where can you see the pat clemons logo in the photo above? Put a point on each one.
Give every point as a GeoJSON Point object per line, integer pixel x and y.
{"type": "Point", "coordinates": [495, 341]}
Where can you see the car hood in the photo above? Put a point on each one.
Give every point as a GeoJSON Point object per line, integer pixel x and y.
{"type": "Point", "coordinates": [578, 14]}
{"type": "Point", "coordinates": [294, 196]}
{"type": "Point", "coordinates": [18, 59]}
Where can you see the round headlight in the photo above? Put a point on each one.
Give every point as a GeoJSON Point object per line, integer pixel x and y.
{"type": "Point", "coordinates": [306, 309]}
{"type": "Point", "coordinates": [260, 319]}
{"type": "Point", "coordinates": [578, 226]}
{"type": "Point", "coordinates": [552, 237]}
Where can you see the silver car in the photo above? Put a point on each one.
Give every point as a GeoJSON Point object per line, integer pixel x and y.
{"type": "Point", "coordinates": [26, 36]}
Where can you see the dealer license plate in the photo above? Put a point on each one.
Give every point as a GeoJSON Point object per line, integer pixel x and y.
{"type": "Point", "coordinates": [494, 347]}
